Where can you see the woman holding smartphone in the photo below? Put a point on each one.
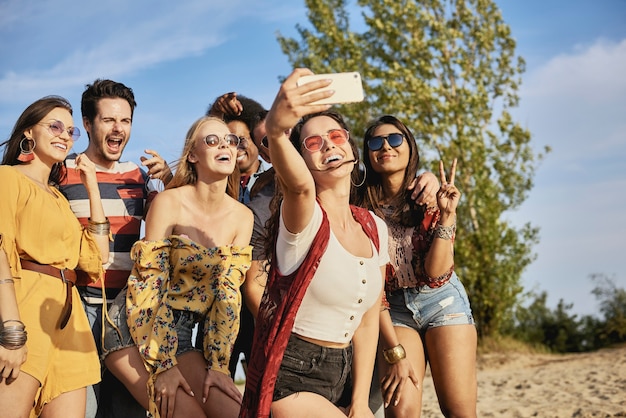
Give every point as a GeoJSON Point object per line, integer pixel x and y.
{"type": "Point", "coordinates": [318, 319]}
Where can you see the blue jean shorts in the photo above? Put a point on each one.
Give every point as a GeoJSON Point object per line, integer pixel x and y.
{"type": "Point", "coordinates": [118, 336]}
{"type": "Point", "coordinates": [308, 367]}
{"type": "Point", "coordinates": [424, 307]}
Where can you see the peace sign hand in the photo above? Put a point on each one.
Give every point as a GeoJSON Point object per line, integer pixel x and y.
{"type": "Point", "coordinates": [448, 195]}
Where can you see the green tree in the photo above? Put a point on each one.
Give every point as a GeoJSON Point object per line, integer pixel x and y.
{"type": "Point", "coordinates": [613, 306]}
{"type": "Point", "coordinates": [449, 70]}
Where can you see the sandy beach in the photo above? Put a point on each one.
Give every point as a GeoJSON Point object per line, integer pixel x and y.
{"type": "Point", "coordinates": [547, 385]}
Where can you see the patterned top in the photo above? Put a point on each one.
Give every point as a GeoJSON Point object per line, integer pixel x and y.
{"type": "Point", "coordinates": [177, 273]}
{"type": "Point", "coordinates": [408, 247]}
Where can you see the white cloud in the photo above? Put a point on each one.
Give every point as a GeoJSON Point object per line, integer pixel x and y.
{"type": "Point", "coordinates": [594, 73]}
{"type": "Point", "coordinates": [113, 38]}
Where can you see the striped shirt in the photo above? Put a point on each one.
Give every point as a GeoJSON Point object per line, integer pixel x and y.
{"type": "Point", "coordinates": [124, 193]}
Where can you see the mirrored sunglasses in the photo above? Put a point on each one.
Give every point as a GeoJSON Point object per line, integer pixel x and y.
{"type": "Point", "coordinates": [213, 140]}
{"type": "Point", "coordinates": [376, 142]}
{"type": "Point", "coordinates": [57, 128]}
{"type": "Point", "coordinates": [316, 142]}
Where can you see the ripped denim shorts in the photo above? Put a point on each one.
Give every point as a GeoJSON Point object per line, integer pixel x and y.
{"type": "Point", "coordinates": [424, 307]}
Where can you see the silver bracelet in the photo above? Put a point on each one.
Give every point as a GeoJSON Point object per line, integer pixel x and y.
{"type": "Point", "coordinates": [445, 232]}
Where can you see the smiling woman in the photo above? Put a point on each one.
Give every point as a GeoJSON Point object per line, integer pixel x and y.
{"type": "Point", "coordinates": [187, 272]}
{"type": "Point", "coordinates": [47, 357]}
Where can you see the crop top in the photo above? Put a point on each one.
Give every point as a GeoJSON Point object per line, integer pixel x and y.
{"type": "Point", "coordinates": [344, 286]}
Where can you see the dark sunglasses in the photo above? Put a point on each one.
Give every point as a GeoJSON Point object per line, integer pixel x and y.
{"type": "Point", "coordinates": [316, 142]}
{"type": "Point", "coordinates": [213, 140]}
{"type": "Point", "coordinates": [57, 128]}
{"type": "Point", "coordinates": [376, 142]}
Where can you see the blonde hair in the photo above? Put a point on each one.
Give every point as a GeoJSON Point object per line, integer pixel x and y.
{"type": "Point", "coordinates": [186, 171]}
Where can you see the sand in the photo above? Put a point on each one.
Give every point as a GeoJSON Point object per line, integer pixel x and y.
{"type": "Point", "coordinates": [546, 385]}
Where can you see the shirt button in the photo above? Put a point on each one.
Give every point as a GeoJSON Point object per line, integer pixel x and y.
{"type": "Point", "coordinates": [363, 281]}
{"type": "Point", "coordinates": [345, 335]}
{"type": "Point", "coordinates": [360, 300]}
{"type": "Point", "coordinates": [352, 318]}
{"type": "Point", "coordinates": [361, 262]}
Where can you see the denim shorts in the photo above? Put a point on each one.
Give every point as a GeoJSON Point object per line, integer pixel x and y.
{"type": "Point", "coordinates": [118, 336]}
{"type": "Point", "coordinates": [308, 367]}
{"type": "Point", "coordinates": [424, 307]}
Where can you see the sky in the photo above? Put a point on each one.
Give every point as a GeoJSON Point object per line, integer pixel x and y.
{"type": "Point", "coordinates": [179, 56]}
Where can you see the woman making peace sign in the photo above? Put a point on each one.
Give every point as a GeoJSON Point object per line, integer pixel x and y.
{"type": "Point", "coordinates": [429, 316]}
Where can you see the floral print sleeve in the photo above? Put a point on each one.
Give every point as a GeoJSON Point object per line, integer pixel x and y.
{"type": "Point", "coordinates": [176, 273]}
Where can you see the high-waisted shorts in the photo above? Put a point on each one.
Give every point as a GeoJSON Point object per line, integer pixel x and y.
{"type": "Point", "coordinates": [308, 367]}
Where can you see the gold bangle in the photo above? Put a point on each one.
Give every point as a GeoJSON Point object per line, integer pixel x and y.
{"type": "Point", "coordinates": [106, 221]}
{"type": "Point", "coordinates": [394, 354]}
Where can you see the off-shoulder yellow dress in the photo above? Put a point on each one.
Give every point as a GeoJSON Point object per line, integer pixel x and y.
{"type": "Point", "coordinates": [178, 274]}
{"type": "Point", "coordinates": [39, 226]}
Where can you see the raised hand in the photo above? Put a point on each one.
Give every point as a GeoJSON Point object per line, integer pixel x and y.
{"type": "Point", "coordinates": [448, 195]}
{"type": "Point", "coordinates": [157, 167]}
{"type": "Point", "coordinates": [293, 102]}
{"type": "Point", "coordinates": [87, 170]}
{"type": "Point", "coordinates": [226, 104]}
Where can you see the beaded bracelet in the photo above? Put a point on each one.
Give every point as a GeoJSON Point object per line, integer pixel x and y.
{"type": "Point", "coordinates": [394, 354]}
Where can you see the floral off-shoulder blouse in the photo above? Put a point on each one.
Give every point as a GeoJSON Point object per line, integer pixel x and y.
{"type": "Point", "coordinates": [178, 274]}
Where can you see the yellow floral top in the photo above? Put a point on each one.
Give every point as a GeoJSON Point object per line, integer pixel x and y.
{"type": "Point", "coordinates": [177, 273]}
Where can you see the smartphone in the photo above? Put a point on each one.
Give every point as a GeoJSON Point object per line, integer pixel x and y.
{"type": "Point", "coordinates": [348, 87]}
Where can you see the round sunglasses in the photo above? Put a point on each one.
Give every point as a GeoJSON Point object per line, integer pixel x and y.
{"type": "Point", "coordinates": [212, 140]}
{"type": "Point", "coordinates": [57, 128]}
{"type": "Point", "coordinates": [316, 142]}
{"type": "Point", "coordinates": [376, 142]}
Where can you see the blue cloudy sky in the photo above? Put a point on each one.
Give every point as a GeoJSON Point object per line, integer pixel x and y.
{"type": "Point", "coordinates": [178, 56]}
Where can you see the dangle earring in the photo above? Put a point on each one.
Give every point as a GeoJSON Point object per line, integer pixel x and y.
{"type": "Point", "coordinates": [26, 155]}
{"type": "Point", "coordinates": [361, 169]}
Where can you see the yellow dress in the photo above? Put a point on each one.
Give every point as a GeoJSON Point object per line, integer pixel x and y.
{"type": "Point", "coordinates": [177, 273]}
{"type": "Point", "coordinates": [36, 225]}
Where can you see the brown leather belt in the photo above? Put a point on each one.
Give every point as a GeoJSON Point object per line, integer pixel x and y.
{"type": "Point", "coordinates": [65, 275]}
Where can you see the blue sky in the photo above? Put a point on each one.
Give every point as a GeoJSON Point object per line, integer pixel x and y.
{"type": "Point", "coordinates": [179, 56]}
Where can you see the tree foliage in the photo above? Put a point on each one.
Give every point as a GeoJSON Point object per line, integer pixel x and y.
{"type": "Point", "coordinates": [449, 70]}
{"type": "Point", "coordinates": [556, 329]}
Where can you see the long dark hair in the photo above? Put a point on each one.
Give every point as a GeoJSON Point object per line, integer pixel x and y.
{"type": "Point", "coordinates": [271, 226]}
{"type": "Point", "coordinates": [30, 117]}
{"type": "Point", "coordinates": [370, 196]}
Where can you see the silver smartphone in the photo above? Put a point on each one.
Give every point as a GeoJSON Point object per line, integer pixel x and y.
{"type": "Point", "coordinates": [348, 87]}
